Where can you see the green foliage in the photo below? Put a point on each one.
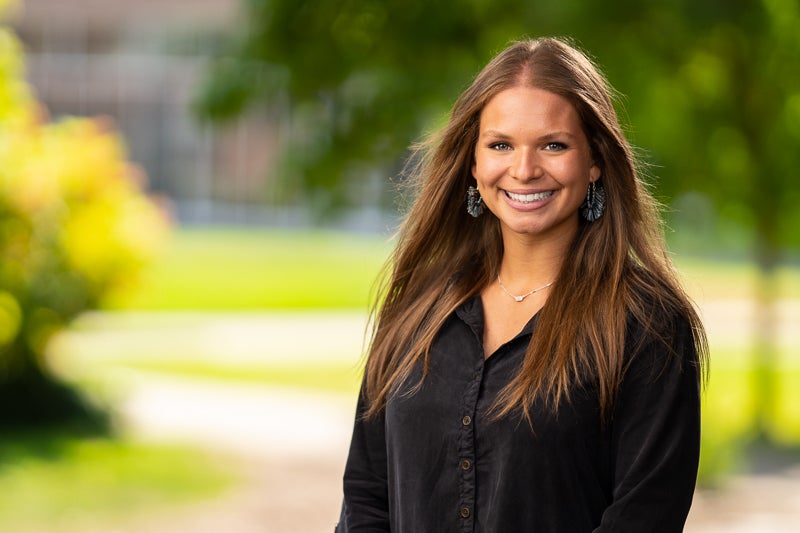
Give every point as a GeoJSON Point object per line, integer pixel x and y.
{"type": "Point", "coordinates": [716, 112]}
{"type": "Point", "coordinates": [74, 225]}
{"type": "Point", "coordinates": [713, 89]}
{"type": "Point", "coordinates": [363, 79]}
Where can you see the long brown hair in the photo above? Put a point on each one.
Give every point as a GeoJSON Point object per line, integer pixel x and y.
{"type": "Point", "coordinates": [617, 267]}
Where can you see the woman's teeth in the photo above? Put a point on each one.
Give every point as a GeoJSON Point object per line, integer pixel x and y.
{"type": "Point", "coordinates": [526, 198]}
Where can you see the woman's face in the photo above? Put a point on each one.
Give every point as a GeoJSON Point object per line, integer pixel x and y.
{"type": "Point", "coordinates": [533, 163]}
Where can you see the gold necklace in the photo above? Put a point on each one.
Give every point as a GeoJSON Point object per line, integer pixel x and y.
{"type": "Point", "coordinates": [523, 296]}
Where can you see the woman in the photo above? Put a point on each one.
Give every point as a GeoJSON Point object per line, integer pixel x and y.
{"type": "Point", "coordinates": [535, 364]}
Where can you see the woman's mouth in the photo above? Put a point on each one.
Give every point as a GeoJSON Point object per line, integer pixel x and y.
{"type": "Point", "coordinates": [529, 198]}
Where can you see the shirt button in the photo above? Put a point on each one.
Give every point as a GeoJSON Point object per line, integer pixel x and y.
{"type": "Point", "coordinates": [467, 420]}
{"type": "Point", "coordinates": [465, 512]}
{"type": "Point", "coordinates": [466, 464]}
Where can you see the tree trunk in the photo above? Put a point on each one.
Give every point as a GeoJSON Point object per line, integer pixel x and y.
{"type": "Point", "coordinates": [765, 349]}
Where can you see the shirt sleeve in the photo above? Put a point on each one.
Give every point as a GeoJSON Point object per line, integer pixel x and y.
{"type": "Point", "coordinates": [656, 440]}
{"type": "Point", "coordinates": [366, 502]}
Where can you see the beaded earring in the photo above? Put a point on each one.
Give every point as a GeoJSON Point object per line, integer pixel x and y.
{"type": "Point", "coordinates": [475, 205]}
{"type": "Point", "coordinates": [592, 208]}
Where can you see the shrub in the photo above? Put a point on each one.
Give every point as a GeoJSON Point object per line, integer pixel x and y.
{"type": "Point", "coordinates": [74, 224]}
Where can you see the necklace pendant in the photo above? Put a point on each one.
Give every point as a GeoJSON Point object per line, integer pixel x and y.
{"type": "Point", "coordinates": [522, 296]}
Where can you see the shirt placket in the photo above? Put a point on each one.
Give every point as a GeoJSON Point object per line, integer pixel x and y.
{"type": "Point", "coordinates": [466, 462]}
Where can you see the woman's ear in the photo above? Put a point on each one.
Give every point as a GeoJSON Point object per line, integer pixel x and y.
{"type": "Point", "coordinates": [594, 173]}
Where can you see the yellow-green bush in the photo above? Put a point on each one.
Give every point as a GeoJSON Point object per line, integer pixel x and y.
{"type": "Point", "coordinates": [74, 224]}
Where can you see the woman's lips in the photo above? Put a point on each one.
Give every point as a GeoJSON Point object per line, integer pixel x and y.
{"type": "Point", "coordinates": [529, 197]}
{"type": "Point", "coordinates": [528, 201]}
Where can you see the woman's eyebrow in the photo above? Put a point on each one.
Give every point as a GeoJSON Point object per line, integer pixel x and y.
{"type": "Point", "coordinates": [546, 137]}
{"type": "Point", "coordinates": [495, 134]}
{"type": "Point", "coordinates": [556, 135]}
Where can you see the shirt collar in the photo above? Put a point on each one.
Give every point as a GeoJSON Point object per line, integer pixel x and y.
{"type": "Point", "coordinates": [471, 313]}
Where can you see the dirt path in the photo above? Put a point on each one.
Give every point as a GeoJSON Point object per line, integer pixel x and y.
{"type": "Point", "coordinates": [288, 496]}
{"type": "Point", "coordinates": [288, 447]}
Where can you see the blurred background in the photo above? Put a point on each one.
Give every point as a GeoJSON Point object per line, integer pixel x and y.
{"type": "Point", "coordinates": [197, 195]}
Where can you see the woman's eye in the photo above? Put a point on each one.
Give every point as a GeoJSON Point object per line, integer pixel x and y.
{"type": "Point", "coordinates": [555, 146]}
{"type": "Point", "coordinates": [500, 146]}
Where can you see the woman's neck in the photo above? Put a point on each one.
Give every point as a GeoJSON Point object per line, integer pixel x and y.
{"type": "Point", "coordinates": [528, 263]}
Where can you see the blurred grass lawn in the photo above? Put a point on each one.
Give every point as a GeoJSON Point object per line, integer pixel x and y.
{"type": "Point", "coordinates": [335, 378]}
{"type": "Point", "coordinates": [219, 269]}
{"type": "Point", "coordinates": [50, 482]}
{"type": "Point", "coordinates": [241, 269]}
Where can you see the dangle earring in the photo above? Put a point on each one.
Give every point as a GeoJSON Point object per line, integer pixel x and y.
{"type": "Point", "coordinates": [475, 205]}
{"type": "Point", "coordinates": [592, 208]}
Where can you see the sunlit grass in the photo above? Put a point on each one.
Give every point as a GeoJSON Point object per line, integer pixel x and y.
{"type": "Point", "coordinates": [712, 279]}
{"type": "Point", "coordinates": [337, 378]}
{"type": "Point", "coordinates": [255, 268]}
{"type": "Point", "coordinates": [47, 480]}
{"type": "Point", "coordinates": [729, 412]}
{"type": "Point", "coordinates": [235, 268]}
{"type": "Point", "coordinates": [785, 421]}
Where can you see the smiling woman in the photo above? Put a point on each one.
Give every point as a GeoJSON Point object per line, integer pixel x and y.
{"type": "Point", "coordinates": [533, 164]}
{"type": "Point", "coordinates": [535, 364]}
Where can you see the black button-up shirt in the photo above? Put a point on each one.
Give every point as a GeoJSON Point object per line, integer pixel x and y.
{"type": "Point", "coordinates": [435, 462]}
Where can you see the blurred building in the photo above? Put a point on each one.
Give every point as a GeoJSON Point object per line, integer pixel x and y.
{"type": "Point", "coordinates": [140, 62]}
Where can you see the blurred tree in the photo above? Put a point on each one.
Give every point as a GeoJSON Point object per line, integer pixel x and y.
{"type": "Point", "coordinates": [721, 112]}
{"type": "Point", "coordinates": [363, 77]}
{"type": "Point", "coordinates": [73, 225]}
{"type": "Point", "coordinates": [714, 94]}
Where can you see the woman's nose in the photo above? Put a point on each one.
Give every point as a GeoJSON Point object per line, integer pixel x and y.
{"type": "Point", "coordinates": [526, 166]}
